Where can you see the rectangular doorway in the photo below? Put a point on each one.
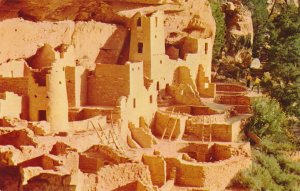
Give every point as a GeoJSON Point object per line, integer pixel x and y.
{"type": "Point", "coordinates": [42, 115]}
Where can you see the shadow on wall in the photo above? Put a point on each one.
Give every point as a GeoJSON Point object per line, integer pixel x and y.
{"type": "Point", "coordinates": [207, 153]}
{"type": "Point", "coordinates": [127, 187]}
{"type": "Point", "coordinates": [116, 48]}
{"type": "Point", "coordinates": [10, 178]}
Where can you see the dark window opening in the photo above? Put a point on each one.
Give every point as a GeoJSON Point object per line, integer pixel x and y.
{"type": "Point", "coordinates": [139, 22]}
{"type": "Point", "coordinates": [151, 99]}
{"type": "Point", "coordinates": [157, 86]}
{"type": "Point", "coordinates": [42, 115]}
{"type": "Point", "coordinates": [140, 47]}
{"type": "Point", "coordinates": [134, 103]}
{"type": "Point", "coordinates": [206, 48]}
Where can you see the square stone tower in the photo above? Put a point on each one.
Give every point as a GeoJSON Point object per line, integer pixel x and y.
{"type": "Point", "coordinates": [147, 42]}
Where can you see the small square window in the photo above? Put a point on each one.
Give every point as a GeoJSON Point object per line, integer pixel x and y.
{"type": "Point", "coordinates": [140, 47]}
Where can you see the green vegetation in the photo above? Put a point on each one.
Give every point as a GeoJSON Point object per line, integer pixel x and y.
{"type": "Point", "coordinates": [268, 118]}
{"type": "Point", "coordinates": [277, 44]}
{"type": "Point", "coordinates": [260, 20]}
{"type": "Point", "coordinates": [284, 60]}
{"type": "Point", "coordinates": [271, 169]}
{"type": "Point", "coordinates": [271, 172]}
{"type": "Point", "coordinates": [221, 28]}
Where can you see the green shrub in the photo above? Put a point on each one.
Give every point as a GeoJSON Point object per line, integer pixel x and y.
{"type": "Point", "coordinates": [288, 165]}
{"type": "Point", "coordinates": [256, 178]}
{"type": "Point", "coordinates": [271, 169]}
{"type": "Point", "coordinates": [268, 118]}
{"type": "Point", "coordinates": [271, 145]}
{"type": "Point", "coordinates": [270, 172]}
{"type": "Point", "coordinates": [221, 29]}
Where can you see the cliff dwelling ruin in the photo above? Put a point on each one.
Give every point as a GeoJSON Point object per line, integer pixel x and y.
{"type": "Point", "coordinates": [92, 105]}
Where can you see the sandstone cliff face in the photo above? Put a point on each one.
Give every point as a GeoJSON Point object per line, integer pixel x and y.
{"type": "Point", "coordinates": [57, 10]}
{"type": "Point", "coordinates": [183, 17]}
{"type": "Point", "coordinates": [239, 34]}
{"type": "Point", "coordinates": [21, 39]}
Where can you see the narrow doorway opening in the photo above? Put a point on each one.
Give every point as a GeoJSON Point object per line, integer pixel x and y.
{"type": "Point", "coordinates": [42, 115]}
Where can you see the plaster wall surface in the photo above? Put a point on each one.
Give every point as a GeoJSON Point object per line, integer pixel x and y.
{"type": "Point", "coordinates": [141, 102]}
{"type": "Point", "coordinates": [12, 69]}
{"type": "Point", "coordinates": [76, 82]}
{"type": "Point", "coordinates": [57, 111]}
{"type": "Point", "coordinates": [10, 105]}
{"type": "Point", "coordinates": [157, 167]}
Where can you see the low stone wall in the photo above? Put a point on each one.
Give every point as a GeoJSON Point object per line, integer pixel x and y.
{"type": "Point", "coordinates": [209, 119]}
{"type": "Point", "coordinates": [143, 136]}
{"type": "Point", "coordinates": [218, 175]}
{"type": "Point", "coordinates": [164, 125]}
{"type": "Point", "coordinates": [230, 88]}
{"type": "Point", "coordinates": [87, 124]}
{"type": "Point", "coordinates": [16, 85]}
{"type": "Point", "coordinates": [116, 176]}
{"type": "Point", "coordinates": [215, 176]}
{"type": "Point", "coordinates": [157, 167]}
{"type": "Point", "coordinates": [242, 109]}
{"type": "Point", "coordinates": [87, 113]}
{"type": "Point", "coordinates": [200, 152]}
{"type": "Point", "coordinates": [51, 181]}
{"type": "Point", "coordinates": [217, 132]}
{"type": "Point", "coordinates": [233, 100]}
{"type": "Point", "coordinates": [193, 110]}
{"type": "Point", "coordinates": [18, 138]}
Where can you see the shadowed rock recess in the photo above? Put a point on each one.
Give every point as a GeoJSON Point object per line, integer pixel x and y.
{"type": "Point", "coordinates": [115, 95]}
